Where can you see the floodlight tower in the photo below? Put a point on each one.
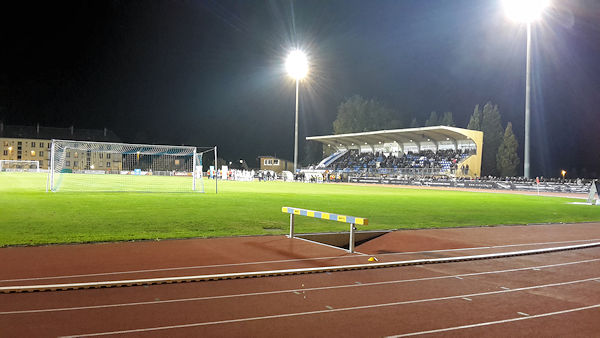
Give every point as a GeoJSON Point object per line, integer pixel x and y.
{"type": "Point", "coordinates": [297, 67]}
{"type": "Point", "coordinates": [526, 11]}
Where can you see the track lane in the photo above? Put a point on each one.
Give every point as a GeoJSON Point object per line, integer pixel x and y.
{"type": "Point", "coordinates": [316, 300]}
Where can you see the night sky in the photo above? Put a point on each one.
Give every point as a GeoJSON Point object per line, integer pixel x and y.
{"type": "Point", "coordinates": [212, 72]}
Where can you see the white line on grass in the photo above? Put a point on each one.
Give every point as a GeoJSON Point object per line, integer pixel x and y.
{"type": "Point", "coordinates": [362, 307]}
{"type": "Point", "coordinates": [297, 291]}
{"type": "Point", "coordinates": [281, 261]}
{"type": "Point", "coordinates": [498, 321]}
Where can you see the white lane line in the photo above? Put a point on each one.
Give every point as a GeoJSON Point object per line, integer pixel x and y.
{"type": "Point", "coordinates": [195, 267]}
{"type": "Point", "coordinates": [331, 246]}
{"type": "Point", "coordinates": [467, 299]}
{"type": "Point", "coordinates": [270, 273]}
{"type": "Point", "coordinates": [295, 291]}
{"type": "Point", "coordinates": [362, 307]}
{"type": "Point", "coordinates": [523, 314]}
{"type": "Point", "coordinates": [498, 321]}
{"type": "Point", "coordinates": [489, 247]}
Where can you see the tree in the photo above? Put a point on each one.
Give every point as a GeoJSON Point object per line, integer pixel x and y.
{"type": "Point", "coordinates": [313, 153]}
{"type": "Point", "coordinates": [491, 126]}
{"type": "Point", "coordinates": [414, 123]}
{"type": "Point", "coordinates": [432, 120]}
{"type": "Point", "coordinates": [447, 119]}
{"type": "Point", "coordinates": [475, 121]}
{"type": "Point", "coordinates": [357, 115]}
{"type": "Point", "coordinates": [507, 159]}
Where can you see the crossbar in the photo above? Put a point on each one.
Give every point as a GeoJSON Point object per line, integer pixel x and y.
{"type": "Point", "coordinates": [326, 215]}
{"type": "Point", "coordinates": [352, 220]}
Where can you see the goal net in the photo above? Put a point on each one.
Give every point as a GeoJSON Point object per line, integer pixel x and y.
{"type": "Point", "coordinates": [19, 166]}
{"type": "Point", "coordinates": [102, 166]}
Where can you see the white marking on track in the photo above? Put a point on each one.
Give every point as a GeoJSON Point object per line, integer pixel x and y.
{"type": "Point", "coordinates": [117, 283]}
{"type": "Point", "coordinates": [295, 291]}
{"type": "Point", "coordinates": [331, 246]}
{"type": "Point", "coordinates": [523, 314]}
{"type": "Point", "coordinates": [498, 321]}
{"type": "Point", "coordinates": [197, 267]}
{"type": "Point", "coordinates": [354, 308]}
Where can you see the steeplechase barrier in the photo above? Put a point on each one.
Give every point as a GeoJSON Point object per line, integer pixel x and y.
{"type": "Point", "coordinates": [352, 220]}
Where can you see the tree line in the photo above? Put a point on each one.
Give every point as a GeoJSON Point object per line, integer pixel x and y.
{"type": "Point", "coordinates": [500, 146]}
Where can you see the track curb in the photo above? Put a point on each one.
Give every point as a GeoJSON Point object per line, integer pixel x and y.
{"type": "Point", "coordinates": [272, 273]}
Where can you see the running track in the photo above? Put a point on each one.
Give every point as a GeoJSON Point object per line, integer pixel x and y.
{"type": "Point", "coordinates": [551, 294]}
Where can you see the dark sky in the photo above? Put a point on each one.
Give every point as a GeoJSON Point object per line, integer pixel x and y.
{"type": "Point", "coordinates": [211, 72]}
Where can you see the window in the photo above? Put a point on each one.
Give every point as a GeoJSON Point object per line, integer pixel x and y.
{"type": "Point", "coordinates": [100, 155]}
{"type": "Point", "coordinates": [107, 155]}
{"type": "Point", "coordinates": [108, 164]}
{"type": "Point", "coordinates": [19, 143]}
{"type": "Point", "coordinates": [6, 152]}
{"type": "Point", "coordinates": [41, 144]}
{"type": "Point", "coordinates": [33, 144]}
{"type": "Point", "coordinates": [41, 153]}
{"type": "Point", "coordinates": [68, 154]}
{"type": "Point", "coordinates": [269, 162]}
{"type": "Point", "coordinates": [67, 163]}
{"type": "Point", "coordinates": [275, 162]}
{"type": "Point", "coordinates": [75, 163]}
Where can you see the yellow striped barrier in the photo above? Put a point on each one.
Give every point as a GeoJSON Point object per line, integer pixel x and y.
{"type": "Point", "coordinates": [328, 216]}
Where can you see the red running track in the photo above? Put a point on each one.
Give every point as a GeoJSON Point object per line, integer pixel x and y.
{"type": "Point", "coordinates": [553, 294]}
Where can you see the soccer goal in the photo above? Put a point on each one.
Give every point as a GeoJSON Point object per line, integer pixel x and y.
{"type": "Point", "coordinates": [19, 166]}
{"type": "Point", "coordinates": [102, 166]}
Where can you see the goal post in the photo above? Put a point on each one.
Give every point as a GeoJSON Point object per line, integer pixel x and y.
{"type": "Point", "coordinates": [19, 166]}
{"type": "Point", "coordinates": [104, 166]}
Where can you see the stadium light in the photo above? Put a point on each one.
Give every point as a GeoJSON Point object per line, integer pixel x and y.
{"type": "Point", "coordinates": [297, 67]}
{"type": "Point", "coordinates": [526, 11]}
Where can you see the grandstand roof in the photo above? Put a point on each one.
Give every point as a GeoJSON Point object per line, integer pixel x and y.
{"type": "Point", "coordinates": [410, 135]}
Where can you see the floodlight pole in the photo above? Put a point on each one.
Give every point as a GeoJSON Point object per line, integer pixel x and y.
{"type": "Point", "coordinates": [296, 130]}
{"type": "Point", "coordinates": [527, 104]}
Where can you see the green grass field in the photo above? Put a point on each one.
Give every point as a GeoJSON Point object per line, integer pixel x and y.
{"type": "Point", "coordinates": [30, 216]}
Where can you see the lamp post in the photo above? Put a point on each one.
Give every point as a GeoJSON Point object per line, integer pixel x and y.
{"type": "Point", "coordinates": [526, 11]}
{"type": "Point", "coordinates": [297, 67]}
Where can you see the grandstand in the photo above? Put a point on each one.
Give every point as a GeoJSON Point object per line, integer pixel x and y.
{"type": "Point", "coordinates": [426, 151]}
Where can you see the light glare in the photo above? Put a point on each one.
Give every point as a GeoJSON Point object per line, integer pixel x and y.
{"type": "Point", "coordinates": [297, 64]}
{"type": "Point", "coordinates": [525, 10]}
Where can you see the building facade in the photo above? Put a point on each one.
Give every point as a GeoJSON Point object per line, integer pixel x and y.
{"type": "Point", "coordinates": [33, 143]}
{"type": "Point", "coordinates": [275, 164]}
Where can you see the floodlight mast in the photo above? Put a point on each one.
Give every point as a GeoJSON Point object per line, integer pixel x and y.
{"type": "Point", "coordinates": [297, 67]}
{"type": "Point", "coordinates": [526, 11]}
